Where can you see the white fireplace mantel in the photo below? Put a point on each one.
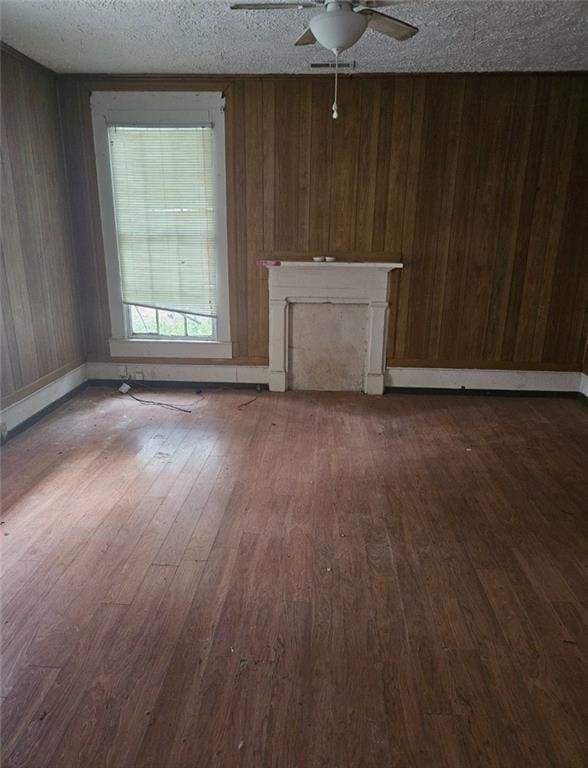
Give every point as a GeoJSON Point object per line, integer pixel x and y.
{"type": "Point", "coordinates": [309, 282]}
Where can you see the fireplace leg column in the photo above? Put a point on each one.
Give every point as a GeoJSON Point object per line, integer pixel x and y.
{"type": "Point", "coordinates": [278, 337]}
{"type": "Point", "coordinates": [376, 352]}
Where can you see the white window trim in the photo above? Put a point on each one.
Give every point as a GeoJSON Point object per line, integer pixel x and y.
{"type": "Point", "coordinates": [160, 108]}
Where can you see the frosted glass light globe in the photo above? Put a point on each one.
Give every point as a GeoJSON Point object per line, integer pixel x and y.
{"type": "Point", "coordinates": [339, 27]}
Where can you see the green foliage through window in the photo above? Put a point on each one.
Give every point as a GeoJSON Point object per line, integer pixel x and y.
{"type": "Point", "coordinates": [149, 321]}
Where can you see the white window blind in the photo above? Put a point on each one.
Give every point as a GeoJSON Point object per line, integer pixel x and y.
{"type": "Point", "coordinates": [164, 201]}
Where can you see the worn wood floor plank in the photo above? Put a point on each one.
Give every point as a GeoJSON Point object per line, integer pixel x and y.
{"type": "Point", "coordinates": [306, 580]}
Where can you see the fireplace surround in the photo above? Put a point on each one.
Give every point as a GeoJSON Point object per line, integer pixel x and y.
{"type": "Point", "coordinates": [305, 283]}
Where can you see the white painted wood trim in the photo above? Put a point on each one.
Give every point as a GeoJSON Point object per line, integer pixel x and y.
{"type": "Point", "coordinates": [386, 266]}
{"type": "Point", "coordinates": [159, 108]}
{"type": "Point", "coordinates": [14, 415]}
{"type": "Point", "coordinates": [207, 373]}
{"type": "Point", "coordinates": [374, 372]}
{"type": "Point", "coordinates": [169, 348]}
{"type": "Point", "coordinates": [304, 282]}
{"type": "Point", "coordinates": [444, 378]}
{"type": "Point", "coordinates": [278, 331]}
{"type": "Point", "coordinates": [470, 378]}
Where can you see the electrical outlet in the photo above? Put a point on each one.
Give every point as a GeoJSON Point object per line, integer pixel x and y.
{"type": "Point", "coordinates": [123, 372]}
{"type": "Point", "coordinates": [137, 375]}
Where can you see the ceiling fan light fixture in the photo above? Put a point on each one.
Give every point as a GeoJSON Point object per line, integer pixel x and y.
{"type": "Point", "coordinates": [338, 28]}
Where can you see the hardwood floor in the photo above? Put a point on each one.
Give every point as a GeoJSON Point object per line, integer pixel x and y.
{"type": "Point", "coordinates": [306, 581]}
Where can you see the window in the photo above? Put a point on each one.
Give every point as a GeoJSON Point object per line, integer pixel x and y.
{"type": "Point", "coordinates": [160, 161]}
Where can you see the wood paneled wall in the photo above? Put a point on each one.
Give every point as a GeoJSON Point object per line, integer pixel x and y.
{"type": "Point", "coordinates": [41, 334]}
{"type": "Point", "coordinates": [477, 183]}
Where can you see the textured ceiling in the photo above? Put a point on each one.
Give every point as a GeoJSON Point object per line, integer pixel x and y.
{"type": "Point", "coordinates": [205, 36]}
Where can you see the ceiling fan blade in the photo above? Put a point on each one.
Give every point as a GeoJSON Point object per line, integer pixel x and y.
{"type": "Point", "coordinates": [271, 6]}
{"type": "Point", "coordinates": [387, 25]}
{"type": "Point", "coordinates": [381, 3]}
{"type": "Point", "coordinates": [306, 38]}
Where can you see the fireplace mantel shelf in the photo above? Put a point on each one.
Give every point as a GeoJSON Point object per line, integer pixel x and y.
{"type": "Point", "coordinates": [387, 265]}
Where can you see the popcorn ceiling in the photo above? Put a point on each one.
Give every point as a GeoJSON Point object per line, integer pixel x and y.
{"type": "Point", "coordinates": [205, 36]}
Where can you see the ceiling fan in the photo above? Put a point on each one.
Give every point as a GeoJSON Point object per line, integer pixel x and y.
{"type": "Point", "coordinates": [341, 23]}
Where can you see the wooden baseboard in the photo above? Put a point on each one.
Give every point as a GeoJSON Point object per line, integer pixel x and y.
{"type": "Point", "coordinates": [58, 373]}
{"type": "Point", "coordinates": [201, 373]}
{"type": "Point", "coordinates": [487, 365]}
{"type": "Point", "coordinates": [28, 409]}
{"type": "Point", "coordinates": [482, 379]}
{"type": "Point", "coordinates": [415, 377]}
{"type": "Point", "coordinates": [32, 406]}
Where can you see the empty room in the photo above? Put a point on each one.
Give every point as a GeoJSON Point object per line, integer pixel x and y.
{"type": "Point", "coordinates": [294, 368]}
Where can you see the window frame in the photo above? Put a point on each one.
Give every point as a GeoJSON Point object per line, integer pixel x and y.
{"type": "Point", "coordinates": [172, 109]}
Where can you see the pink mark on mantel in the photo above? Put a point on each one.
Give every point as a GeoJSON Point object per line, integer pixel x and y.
{"type": "Point", "coordinates": [268, 263]}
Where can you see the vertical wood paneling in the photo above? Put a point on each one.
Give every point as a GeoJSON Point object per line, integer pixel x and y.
{"type": "Point", "coordinates": [254, 205]}
{"type": "Point", "coordinates": [430, 187]}
{"type": "Point", "coordinates": [321, 164]}
{"type": "Point", "coordinates": [368, 162]}
{"type": "Point", "coordinates": [236, 158]}
{"type": "Point", "coordinates": [41, 332]}
{"type": "Point", "coordinates": [344, 155]}
{"type": "Point", "coordinates": [269, 162]}
{"type": "Point", "coordinates": [492, 140]}
{"type": "Point", "coordinates": [304, 164]}
{"type": "Point", "coordinates": [510, 207]}
{"type": "Point", "coordinates": [555, 118]}
{"type": "Point", "coordinates": [456, 324]}
{"type": "Point", "coordinates": [395, 173]}
{"type": "Point", "coordinates": [407, 203]}
{"type": "Point", "coordinates": [16, 304]}
{"type": "Point", "coordinates": [380, 180]}
{"type": "Point", "coordinates": [477, 183]}
{"type": "Point", "coordinates": [524, 224]}
{"type": "Point", "coordinates": [288, 191]}
{"type": "Point", "coordinates": [567, 323]}
{"type": "Point", "coordinates": [455, 97]}
{"type": "Point", "coordinates": [569, 132]}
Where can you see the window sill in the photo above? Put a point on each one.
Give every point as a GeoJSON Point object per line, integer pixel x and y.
{"type": "Point", "coordinates": [168, 348]}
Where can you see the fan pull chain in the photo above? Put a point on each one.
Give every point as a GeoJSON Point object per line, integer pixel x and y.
{"type": "Point", "coordinates": [335, 109]}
